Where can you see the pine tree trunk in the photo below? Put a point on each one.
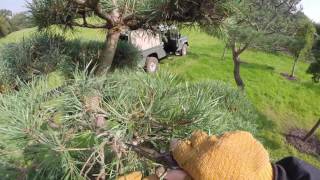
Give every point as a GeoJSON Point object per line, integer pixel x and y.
{"type": "Point", "coordinates": [108, 52]}
{"type": "Point", "coordinates": [293, 70]}
{"type": "Point", "coordinates": [312, 131]}
{"type": "Point", "coordinates": [224, 53]}
{"type": "Point", "coordinates": [236, 70]}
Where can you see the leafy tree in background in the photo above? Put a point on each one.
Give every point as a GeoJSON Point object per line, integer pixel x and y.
{"type": "Point", "coordinates": [118, 15]}
{"type": "Point", "coordinates": [10, 22]}
{"type": "Point", "coordinates": [5, 13]}
{"type": "Point", "coordinates": [304, 43]}
{"type": "Point", "coordinates": [21, 21]}
{"type": "Point", "coordinates": [5, 26]}
{"type": "Point", "coordinates": [314, 68]}
{"type": "Point", "coordinates": [254, 23]}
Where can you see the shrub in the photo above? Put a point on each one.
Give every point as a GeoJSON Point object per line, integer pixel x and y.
{"type": "Point", "coordinates": [45, 52]}
{"type": "Point", "coordinates": [5, 26]}
{"type": "Point", "coordinates": [81, 127]}
{"type": "Point", "coordinates": [38, 55]}
{"type": "Point", "coordinates": [314, 69]}
{"type": "Point", "coordinates": [127, 56]}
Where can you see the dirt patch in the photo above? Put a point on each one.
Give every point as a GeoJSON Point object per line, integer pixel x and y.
{"type": "Point", "coordinates": [295, 138]}
{"type": "Point", "coordinates": [287, 76]}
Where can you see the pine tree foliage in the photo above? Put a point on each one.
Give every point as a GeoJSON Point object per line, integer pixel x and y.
{"type": "Point", "coordinates": [254, 22]}
{"type": "Point", "coordinates": [117, 16]}
{"type": "Point", "coordinates": [85, 127]}
{"type": "Point", "coordinates": [314, 67]}
{"type": "Point", "coordinates": [133, 12]}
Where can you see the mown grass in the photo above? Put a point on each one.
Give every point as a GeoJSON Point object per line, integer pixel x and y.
{"type": "Point", "coordinates": [78, 33]}
{"type": "Point", "coordinates": [282, 104]}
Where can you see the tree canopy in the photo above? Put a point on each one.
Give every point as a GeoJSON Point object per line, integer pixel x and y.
{"type": "Point", "coordinates": [5, 26]}
{"type": "Point", "coordinates": [119, 15]}
{"type": "Point", "coordinates": [314, 68]}
{"type": "Point", "coordinates": [10, 22]}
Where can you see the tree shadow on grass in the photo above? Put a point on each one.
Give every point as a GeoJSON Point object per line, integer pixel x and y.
{"type": "Point", "coordinates": [257, 66]}
{"type": "Point", "coordinates": [267, 132]}
{"type": "Point", "coordinates": [193, 55]}
{"type": "Point", "coordinates": [312, 86]}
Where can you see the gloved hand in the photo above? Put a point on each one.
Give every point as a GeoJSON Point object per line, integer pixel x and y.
{"type": "Point", "coordinates": [132, 176]}
{"type": "Point", "coordinates": [170, 175]}
{"type": "Point", "coordinates": [233, 156]}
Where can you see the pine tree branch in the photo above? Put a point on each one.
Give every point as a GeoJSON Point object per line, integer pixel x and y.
{"type": "Point", "coordinates": [99, 12]}
{"type": "Point", "coordinates": [241, 50]}
{"type": "Point", "coordinates": [96, 7]}
{"type": "Point", "coordinates": [80, 2]}
{"type": "Point", "coordinates": [93, 26]}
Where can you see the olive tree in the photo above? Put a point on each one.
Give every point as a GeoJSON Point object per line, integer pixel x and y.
{"type": "Point", "coordinates": [116, 16]}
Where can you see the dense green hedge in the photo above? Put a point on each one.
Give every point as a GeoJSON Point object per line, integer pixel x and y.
{"type": "Point", "coordinates": [52, 125]}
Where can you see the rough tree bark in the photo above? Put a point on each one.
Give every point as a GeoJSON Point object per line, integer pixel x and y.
{"type": "Point", "coordinates": [108, 52]}
{"type": "Point", "coordinates": [224, 53]}
{"type": "Point", "coordinates": [312, 131]}
{"type": "Point", "coordinates": [236, 70]}
{"type": "Point", "coordinates": [111, 42]}
{"type": "Point", "coordinates": [293, 70]}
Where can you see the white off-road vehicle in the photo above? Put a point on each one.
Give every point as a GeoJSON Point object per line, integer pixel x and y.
{"type": "Point", "coordinates": [156, 45]}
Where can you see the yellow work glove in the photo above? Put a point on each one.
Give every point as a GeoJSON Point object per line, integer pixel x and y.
{"type": "Point", "coordinates": [132, 176]}
{"type": "Point", "coordinates": [137, 176]}
{"type": "Point", "coordinates": [233, 156]}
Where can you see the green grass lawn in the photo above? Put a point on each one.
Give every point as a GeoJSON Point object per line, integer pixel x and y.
{"type": "Point", "coordinates": [79, 33]}
{"type": "Point", "coordinates": [282, 104]}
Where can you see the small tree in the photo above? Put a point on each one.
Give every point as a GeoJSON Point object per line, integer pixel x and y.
{"type": "Point", "coordinates": [303, 42]}
{"type": "Point", "coordinates": [118, 15]}
{"type": "Point", "coordinates": [5, 26]}
{"type": "Point", "coordinates": [20, 21]}
{"type": "Point", "coordinates": [312, 131]}
{"type": "Point", "coordinates": [314, 68]}
{"type": "Point", "coordinates": [255, 22]}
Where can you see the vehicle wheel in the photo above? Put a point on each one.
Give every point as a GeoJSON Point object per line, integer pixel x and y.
{"type": "Point", "coordinates": [151, 64]}
{"type": "Point", "coordinates": [184, 50]}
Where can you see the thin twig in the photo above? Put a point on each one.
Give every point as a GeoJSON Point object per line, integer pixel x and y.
{"type": "Point", "coordinates": [86, 163]}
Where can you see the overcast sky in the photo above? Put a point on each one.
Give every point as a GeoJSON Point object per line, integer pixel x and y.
{"type": "Point", "coordinates": [311, 7]}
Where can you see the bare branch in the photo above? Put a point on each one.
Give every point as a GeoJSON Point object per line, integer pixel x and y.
{"type": "Point", "coordinates": [93, 26]}
{"type": "Point", "coordinates": [99, 12]}
{"type": "Point", "coordinates": [96, 7]}
{"type": "Point", "coordinates": [129, 17]}
{"type": "Point", "coordinates": [132, 17]}
{"type": "Point", "coordinates": [241, 50]}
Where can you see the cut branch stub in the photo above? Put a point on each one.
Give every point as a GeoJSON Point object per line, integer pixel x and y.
{"type": "Point", "coordinates": [92, 103]}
